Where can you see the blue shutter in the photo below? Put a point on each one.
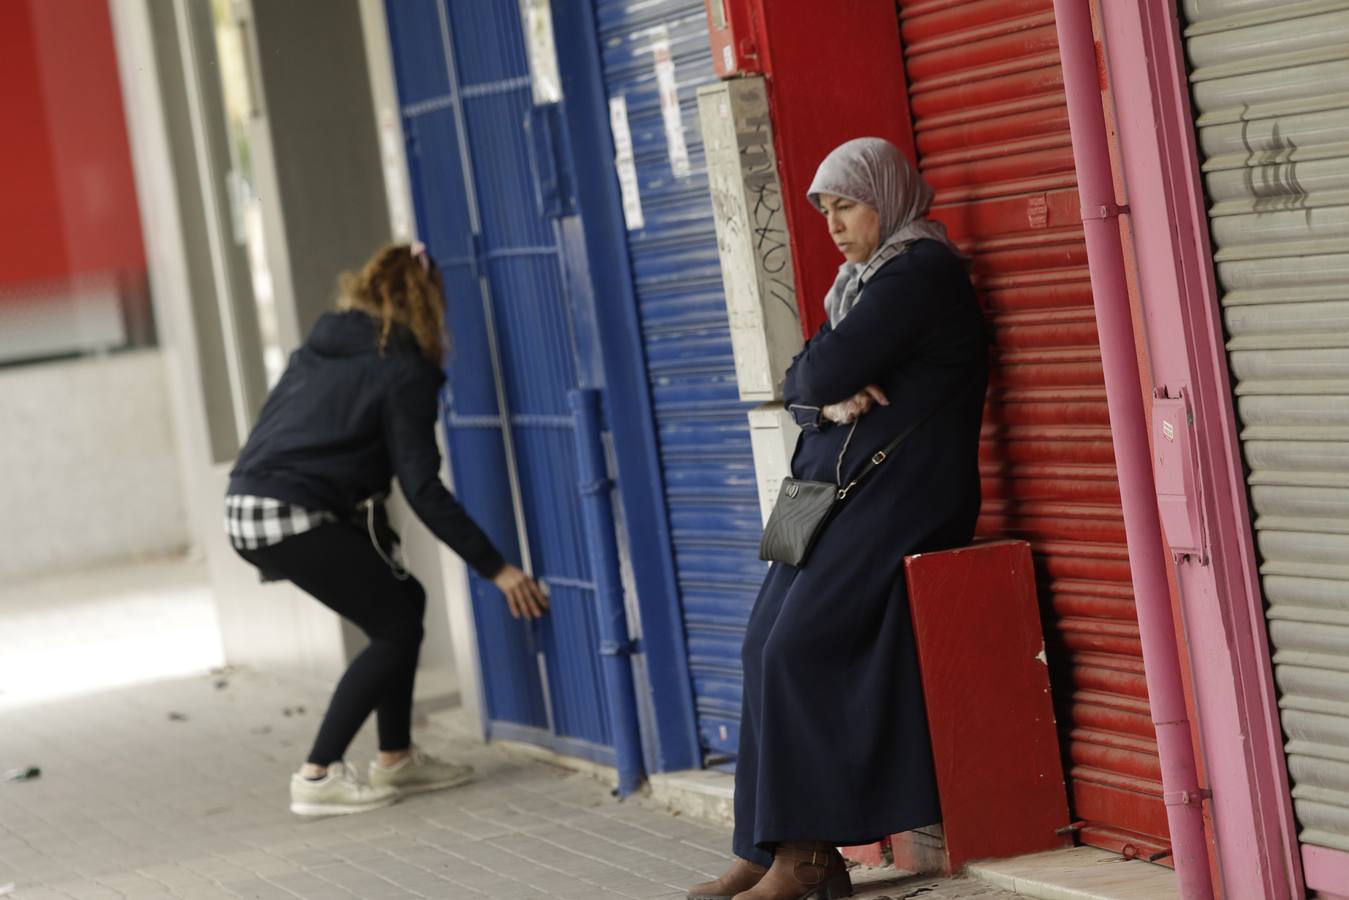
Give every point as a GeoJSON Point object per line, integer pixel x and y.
{"type": "Point", "coordinates": [703, 432]}
{"type": "Point", "coordinates": [466, 97]}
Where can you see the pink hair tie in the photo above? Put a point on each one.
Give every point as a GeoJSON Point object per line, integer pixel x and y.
{"type": "Point", "coordinates": [418, 251]}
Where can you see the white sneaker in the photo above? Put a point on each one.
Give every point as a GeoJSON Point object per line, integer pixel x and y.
{"type": "Point", "coordinates": [419, 771]}
{"type": "Point", "coordinates": [336, 793]}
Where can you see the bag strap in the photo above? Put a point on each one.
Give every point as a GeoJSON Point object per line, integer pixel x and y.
{"type": "Point", "coordinates": [882, 454]}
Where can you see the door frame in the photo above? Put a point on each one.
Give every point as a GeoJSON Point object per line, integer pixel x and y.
{"type": "Point", "coordinates": [1221, 601]}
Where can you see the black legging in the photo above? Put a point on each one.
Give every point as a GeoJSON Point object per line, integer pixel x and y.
{"type": "Point", "coordinates": [337, 564]}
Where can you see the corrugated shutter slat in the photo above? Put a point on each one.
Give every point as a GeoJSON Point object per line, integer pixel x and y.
{"type": "Point", "coordinates": [1271, 92]}
{"type": "Point", "coordinates": [992, 133]}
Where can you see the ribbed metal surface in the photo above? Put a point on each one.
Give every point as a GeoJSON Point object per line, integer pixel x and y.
{"type": "Point", "coordinates": [703, 431]}
{"type": "Point", "coordinates": [461, 66]}
{"type": "Point", "coordinates": [992, 133]}
{"type": "Point", "coordinates": [1271, 91]}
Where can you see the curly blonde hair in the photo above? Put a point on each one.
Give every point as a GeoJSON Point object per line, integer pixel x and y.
{"type": "Point", "coordinates": [399, 287]}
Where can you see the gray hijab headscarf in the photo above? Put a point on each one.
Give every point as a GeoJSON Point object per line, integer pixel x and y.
{"type": "Point", "coordinates": [872, 171]}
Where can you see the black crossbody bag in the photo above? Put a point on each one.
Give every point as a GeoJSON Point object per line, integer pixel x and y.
{"type": "Point", "coordinates": [805, 507]}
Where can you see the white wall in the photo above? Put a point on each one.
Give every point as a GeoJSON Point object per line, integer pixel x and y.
{"type": "Point", "coordinates": [90, 470]}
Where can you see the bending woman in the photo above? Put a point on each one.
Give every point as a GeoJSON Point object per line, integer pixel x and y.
{"type": "Point", "coordinates": [834, 746]}
{"type": "Point", "coordinates": [356, 406]}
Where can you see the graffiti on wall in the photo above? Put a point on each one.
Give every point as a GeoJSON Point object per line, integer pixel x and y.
{"type": "Point", "coordinates": [767, 215]}
{"type": "Point", "coordinates": [752, 236]}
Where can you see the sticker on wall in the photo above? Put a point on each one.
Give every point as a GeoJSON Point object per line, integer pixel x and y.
{"type": "Point", "coordinates": [537, 18]}
{"type": "Point", "coordinates": [668, 85]}
{"type": "Point", "coordinates": [624, 163]}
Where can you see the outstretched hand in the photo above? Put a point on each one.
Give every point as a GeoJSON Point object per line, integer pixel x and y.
{"type": "Point", "coordinates": [856, 406]}
{"type": "Point", "coordinates": [524, 596]}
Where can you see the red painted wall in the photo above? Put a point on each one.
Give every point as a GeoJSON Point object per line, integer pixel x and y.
{"type": "Point", "coordinates": [69, 198]}
{"type": "Point", "coordinates": [835, 72]}
{"type": "Point", "coordinates": [30, 219]}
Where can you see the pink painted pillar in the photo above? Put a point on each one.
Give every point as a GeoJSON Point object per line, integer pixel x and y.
{"type": "Point", "coordinates": [1142, 525]}
{"type": "Point", "coordinates": [1208, 521]}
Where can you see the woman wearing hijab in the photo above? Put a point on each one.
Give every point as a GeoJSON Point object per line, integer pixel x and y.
{"type": "Point", "coordinates": [834, 746]}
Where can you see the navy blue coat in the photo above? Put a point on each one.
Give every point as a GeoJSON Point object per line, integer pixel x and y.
{"type": "Point", "coordinates": [344, 419]}
{"type": "Point", "coordinates": [834, 743]}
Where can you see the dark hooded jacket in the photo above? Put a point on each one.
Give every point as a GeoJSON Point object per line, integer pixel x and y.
{"type": "Point", "coordinates": [344, 419]}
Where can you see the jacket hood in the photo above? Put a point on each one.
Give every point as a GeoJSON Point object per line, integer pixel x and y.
{"type": "Point", "coordinates": [352, 333]}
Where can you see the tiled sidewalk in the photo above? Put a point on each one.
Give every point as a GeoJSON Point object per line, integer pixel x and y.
{"type": "Point", "coordinates": [177, 789]}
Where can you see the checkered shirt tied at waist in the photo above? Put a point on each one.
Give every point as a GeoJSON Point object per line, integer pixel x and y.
{"type": "Point", "coordinates": [253, 522]}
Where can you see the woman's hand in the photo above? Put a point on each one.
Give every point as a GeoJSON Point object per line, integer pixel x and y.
{"type": "Point", "coordinates": [844, 411]}
{"type": "Point", "coordinates": [856, 406]}
{"type": "Point", "coordinates": [524, 595]}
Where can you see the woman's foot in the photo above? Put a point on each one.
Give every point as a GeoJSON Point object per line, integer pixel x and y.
{"type": "Point", "coordinates": [808, 870]}
{"type": "Point", "coordinates": [741, 876]}
{"type": "Point", "coordinates": [336, 793]}
{"type": "Point", "coordinates": [419, 771]}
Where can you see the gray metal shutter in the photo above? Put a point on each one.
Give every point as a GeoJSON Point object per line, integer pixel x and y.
{"type": "Point", "coordinates": [655, 56]}
{"type": "Point", "coordinates": [1271, 91]}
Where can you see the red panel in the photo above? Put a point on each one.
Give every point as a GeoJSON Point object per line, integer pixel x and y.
{"type": "Point", "coordinates": [942, 21]}
{"type": "Point", "coordinates": [1064, 450]}
{"type": "Point", "coordinates": [1051, 120]}
{"type": "Point", "coordinates": [30, 228]}
{"type": "Point", "coordinates": [992, 136]}
{"type": "Point", "coordinates": [1047, 529]}
{"type": "Point", "coordinates": [1105, 712]}
{"type": "Point", "coordinates": [68, 184]}
{"type": "Point", "coordinates": [82, 93]}
{"type": "Point", "coordinates": [1014, 222]}
{"type": "Point", "coordinates": [1000, 47]}
{"type": "Point", "coordinates": [953, 99]}
{"type": "Point", "coordinates": [1087, 599]}
{"type": "Point", "coordinates": [1127, 803]}
{"type": "Point", "coordinates": [816, 106]}
{"type": "Point", "coordinates": [1109, 676]}
{"type": "Point", "coordinates": [986, 685]}
{"type": "Point", "coordinates": [1050, 407]}
{"type": "Point", "coordinates": [1014, 162]}
{"type": "Point", "coordinates": [1059, 252]}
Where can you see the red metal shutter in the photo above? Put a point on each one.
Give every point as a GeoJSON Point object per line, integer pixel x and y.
{"type": "Point", "coordinates": [992, 134]}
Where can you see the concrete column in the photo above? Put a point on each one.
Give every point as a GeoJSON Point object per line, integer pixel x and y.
{"type": "Point", "coordinates": [176, 135]}
{"type": "Point", "coordinates": [318, 162]}
{"type": "Point", "coordinates": [321, 178]}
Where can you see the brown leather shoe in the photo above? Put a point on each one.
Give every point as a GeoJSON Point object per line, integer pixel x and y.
{"type": "Point", "coordinates": [803, 871]}
{"type": "Point", "coordinates": [741, 876]}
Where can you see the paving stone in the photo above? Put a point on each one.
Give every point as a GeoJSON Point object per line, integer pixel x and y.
{"type": "Point", "coordinates": [130, 884]}
{"type": "Point", "coordinates": [89, 890]}
{"type": "Point", "coordinates": [41, 893]}
{"type": "Point", "coordinates": [259, 889]}
{"type": "Point", "coordinates": [203, 892]}
{"type": "Point", "coordinates": [174, 876]}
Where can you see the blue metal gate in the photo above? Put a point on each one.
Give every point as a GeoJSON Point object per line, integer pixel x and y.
{"type": "Point", "coordinates": [480, 188]}
{"type": "Point", "coordinates": [655, 56]}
